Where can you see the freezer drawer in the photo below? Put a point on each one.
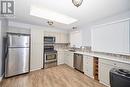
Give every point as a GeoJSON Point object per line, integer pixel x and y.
{"type": "Point", "coordinates": [15, 40]}
{"type": "Point", "coordinates": [17, 61]}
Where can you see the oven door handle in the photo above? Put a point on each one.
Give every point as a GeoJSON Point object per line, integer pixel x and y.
{"type": "Point", "coordinates": [50, 54]}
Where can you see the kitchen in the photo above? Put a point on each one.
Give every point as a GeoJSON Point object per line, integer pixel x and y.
{"type": "Point", "coordinates": [94, 52]}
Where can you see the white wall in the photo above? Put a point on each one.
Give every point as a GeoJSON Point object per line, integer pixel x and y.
{"type": "Point", "coordinates": [76, 39]}
{"type": "Point", "coordinates": [123, 15]}
{"type": "Point", "coordinates": [86, 36]}
{"type": "Point", "coordinates": [15, 26]}
{"type": "Point", "coordinates": [18, 30]}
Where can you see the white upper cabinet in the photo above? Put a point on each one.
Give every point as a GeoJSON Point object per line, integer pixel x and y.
{"type": "Point", "coordinates": [64, 37]}
{"type": "Point", "coordinates": [112, 38]}
{"type": "Point", "coordinates": [47, 33]}
{"type": "Point", "coordinates": [60, 36]}
{"type": "Point", "coordinates": [75, 39]}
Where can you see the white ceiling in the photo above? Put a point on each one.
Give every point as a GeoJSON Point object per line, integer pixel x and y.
{"type": "Point", "coordinates": [89, 11]}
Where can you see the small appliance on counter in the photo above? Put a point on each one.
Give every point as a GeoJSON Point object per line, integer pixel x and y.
{"type": "Point", "coordinates": [50, 55]}
{"type": "Point", "coordinates": [119, 78]}
{"type": "Point", "coordinates": [17, 54]}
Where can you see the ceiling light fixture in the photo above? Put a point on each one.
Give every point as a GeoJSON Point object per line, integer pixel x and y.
{"type": "Point", "coordinates": [50, 23]}
{"type": "Point", "coordinates": [74, 28]}
{"type": "Point", "coordinates": [77, 3]}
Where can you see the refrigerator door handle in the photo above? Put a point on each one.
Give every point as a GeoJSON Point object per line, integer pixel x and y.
{"type": "Point", "coordinates": [6, 48]}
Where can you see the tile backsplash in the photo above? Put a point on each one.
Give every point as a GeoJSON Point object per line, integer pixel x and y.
{"type": "Point", "coordinates": [88, 49]}
{"type": "Point", "coordinates": [61, 46]}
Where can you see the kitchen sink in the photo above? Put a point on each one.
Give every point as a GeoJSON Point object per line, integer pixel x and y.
{"type": "Point", "coordinates": [72, 50]}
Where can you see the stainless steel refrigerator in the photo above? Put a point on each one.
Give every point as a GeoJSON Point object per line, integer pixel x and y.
{"type": "Point", "coordinates": [17, 56]}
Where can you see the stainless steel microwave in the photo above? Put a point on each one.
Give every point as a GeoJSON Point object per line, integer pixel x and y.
{"type": "Point", "coordinates": [49, 39]}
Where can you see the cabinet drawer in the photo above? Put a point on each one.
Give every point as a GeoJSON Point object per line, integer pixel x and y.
{"type": "Point", "coordinates": [115, 63]}
{"type": "Point", "coordinates": [109, 62]}
{"type": "Point", "coordinates": [123, 65]}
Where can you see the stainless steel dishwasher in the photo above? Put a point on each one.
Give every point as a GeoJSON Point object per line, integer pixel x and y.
{"type": "Point", "coordinates": [78, 62]}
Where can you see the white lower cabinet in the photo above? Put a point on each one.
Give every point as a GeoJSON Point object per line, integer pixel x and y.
{"type": "Point", "coordinates": [69, 58]}
{"type": "Point", "coordinates": [65, 57]}
{"type": "Point", "coordinates": [60, 57]}
{"type": "Point", "coordinates": [88, 65]}
{"type": "Point", "coordinates": [104, 73]}
{"type": "Point", "coordinates": [104, 68]}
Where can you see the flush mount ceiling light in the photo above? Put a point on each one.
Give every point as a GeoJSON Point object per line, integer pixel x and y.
{"type": "Point", "coordinates": [50, 23]}
{"type": "Point", "coordinates": [74, 28]}
{"type": "Point", "coordinates": [77, 3]}
{"type": "Point", "coordinates": [51, 15]}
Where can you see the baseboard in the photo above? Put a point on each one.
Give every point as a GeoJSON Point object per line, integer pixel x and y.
{"type": "Point", "coordinates": [1, 78]}
{"type": "Point", "coordinates": [104, 84]}
{"type": "Point", "coordinates": [35, 69]}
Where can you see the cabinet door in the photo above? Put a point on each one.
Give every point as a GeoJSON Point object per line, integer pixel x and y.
{"type": "Point", "coordinates": [36, 61]}
{"type": "Point", "coordinates": [69, 59]}
{"type": "Point", "coordinates": [104, 70]}
{"type": "Point", "coordinates": [66, 59]}
{"type": "Point", "coordinates": [64, 38]}
{"type": "Point", "coordinates": [61, 58]}
{"type": "Point", "coordinates": [57, 35]}
{"type": "Point", "coordinates": [49, 34]}
{"type": "Point", "coordinates": [88, 66]}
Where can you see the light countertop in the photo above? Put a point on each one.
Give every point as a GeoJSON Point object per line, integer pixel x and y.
{"type": "Point", "coordinates": [103, 56]}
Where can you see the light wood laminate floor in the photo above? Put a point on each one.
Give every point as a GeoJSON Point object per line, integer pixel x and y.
{"type": "Point", "coordinates": [60, 76]}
